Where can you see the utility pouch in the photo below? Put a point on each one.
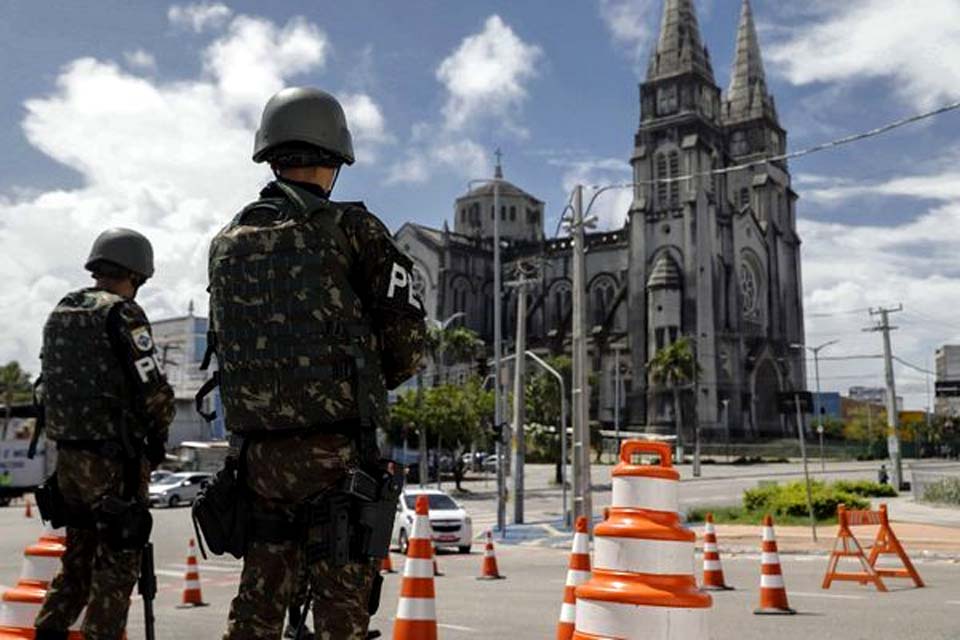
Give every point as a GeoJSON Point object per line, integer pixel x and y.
{"type": "Point", "coordinates": [373, 526]}
{"type": "Point", "coordinates": [328, 533]}
{"type": "Point", "coordinates": [373, 603]}
{"type": "Point", "coordinates": [221, 513]}
{"type": "Point", "coordinates": [50, 502]}
{"type": "Point", "coordinates": [124, 525]}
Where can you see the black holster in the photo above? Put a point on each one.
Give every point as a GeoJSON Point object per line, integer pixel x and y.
{"type": "Point", "coordinates": [222, 512]}
{"type": "Point", "coordinates": [50, 502]}
{"type": "Point", "coordinates": [373, 521]}
{"type": "Point", "coordinates": [123, 524]}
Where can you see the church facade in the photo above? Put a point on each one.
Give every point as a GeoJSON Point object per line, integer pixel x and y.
{"type": "Point", "coordinates": [706, 251]}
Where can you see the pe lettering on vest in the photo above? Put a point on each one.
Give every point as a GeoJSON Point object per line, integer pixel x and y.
{"type": "Point", "coordinates": [145, 366]}
{"type": "Point", "coordinates": [399, 279]}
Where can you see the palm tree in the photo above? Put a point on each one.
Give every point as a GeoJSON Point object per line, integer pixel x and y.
{"type": "Point", "coordinates": [675, 367]}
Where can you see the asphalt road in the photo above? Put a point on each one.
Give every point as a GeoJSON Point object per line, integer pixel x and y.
{"type": "Point", "coordinates": [526, 604]}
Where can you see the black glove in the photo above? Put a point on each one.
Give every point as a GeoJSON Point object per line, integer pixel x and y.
{"type": "Point", "coordinates": [156, 451]}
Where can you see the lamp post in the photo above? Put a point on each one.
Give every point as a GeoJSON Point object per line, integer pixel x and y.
{"type": "Point", "coordinates": [816, 403]}
{"type": "Point", "coordinates": [563, 432]}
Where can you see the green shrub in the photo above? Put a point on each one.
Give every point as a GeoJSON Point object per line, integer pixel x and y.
{"type": "Point", "coordinates": [791, 500]}
{"type": "Point", "coordinates": [946, 491]}
{"type": "Point", "coordinates": [866, 488]}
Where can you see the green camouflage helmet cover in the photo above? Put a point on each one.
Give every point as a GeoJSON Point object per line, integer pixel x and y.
{"type": "Point", "coordinates": [300, 116]}
{"type": "Point", "coordinates": [124, 247]}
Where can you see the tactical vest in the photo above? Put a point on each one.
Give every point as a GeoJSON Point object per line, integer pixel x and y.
{"type": "Point", "coordinates": [86, 394]}
{"type": "Point", "coordinates": [294, 348]}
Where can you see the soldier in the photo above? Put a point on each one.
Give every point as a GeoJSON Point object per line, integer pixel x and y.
{"type": "Point", "coordinates": [108, 407]}
{"type": "Point", "coordinates": [313, 319]}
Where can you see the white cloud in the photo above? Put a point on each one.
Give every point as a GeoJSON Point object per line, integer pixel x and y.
{"type": "Point", "coordinates": [487, 73]}
{"type": "Point", "coordinates": [171, 159]}
{"type": "Point", "coordinates": [140, 59]}
{"type": "Point", "coordinates": [611, 206]}
{"type": "Point", "coordinates": [431, 151]}
{"type": "Point", "coordinates": [914, 47]}
{"type": "Point", "coordinates": [366, 123]}
{"type": "Point", "coordinates": [199, 16]}
{"type": "Point", "coordinates": [631, 24]}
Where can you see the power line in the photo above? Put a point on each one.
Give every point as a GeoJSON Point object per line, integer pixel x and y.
{"type": "Point", "coordinates": [833, 144]}
{"type": "Point", "coordinates": [913, 366]}
{"type": "Point", "coordinates": [837, 313]}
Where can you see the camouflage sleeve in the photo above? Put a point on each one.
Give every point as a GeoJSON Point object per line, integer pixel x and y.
{"type": "Point", "coordinates": [398, 316]}
{"type": "Point", "coordinates": [133, 343]}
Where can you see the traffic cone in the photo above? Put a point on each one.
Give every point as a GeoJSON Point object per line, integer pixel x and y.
{"type": "Point", "coordinates": [436, 568]}
{"type": "Point", "coordinates": [712, 569]}
{"type": "Point", "coordinates": [773, 593]}
{"type": "Point", "coordinates": [416, 612]}
{"type": "Point", "coordinates": [386, 565]}
{"type": "Point", "coordinates": [28, 511]}
{"type": "Point", "coordinates": [643, 583]}
{"type": "Point", "coordinates": [489, 571]}
{"type": "Point", "coordinates": [19, 606]}
{"type": "Point", "coordinates": [578, 572]}
{"type": "Point", "coordinates": [191, 581]}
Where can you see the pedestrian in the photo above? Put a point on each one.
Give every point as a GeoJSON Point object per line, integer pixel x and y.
{"type": "Point", "coordinates": [313, 318]}
{"type": "Point", "coordinates": [882, 476]}
{"type": "Point", "coordinates": [108, 407]}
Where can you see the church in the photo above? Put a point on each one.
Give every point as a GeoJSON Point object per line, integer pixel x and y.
{"type": "Point", "coordinates": [709, 251]}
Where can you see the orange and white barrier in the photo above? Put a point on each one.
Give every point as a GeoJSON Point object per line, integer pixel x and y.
{"type": "Point", "coordinates": [713, 579]}
{"type": "Point", "coordinates": [416, 612]}
{"type": "Point", "coordinates": [578, 573]}
{"type": "Point", "coordinates": [773, 591]}
{"type": "Point", "coordinates": [643, 583]}
{"type": "Point", "coordinates": [191, 580]}
{"type": "Point", "coordinates": [19, 606]}
{"type": "Point", "coordinates": [489, 570]}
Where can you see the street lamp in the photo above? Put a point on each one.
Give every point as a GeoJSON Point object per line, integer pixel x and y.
{"type": "Point", "coordinates": [816, 404]}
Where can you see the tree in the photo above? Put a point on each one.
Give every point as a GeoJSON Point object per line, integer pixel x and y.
{"type": "Point", "coordinates": [543, 409]}
{"type": "Point", "coordinates": [675, 367]}
{"type": "Point", "coordinates": [16, 387]}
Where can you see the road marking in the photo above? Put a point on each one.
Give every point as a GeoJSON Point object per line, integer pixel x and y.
{"type": "Point", "coordinates": [456, 627]}
{"type": "Point", "coordinates": [953, 601]}
{"type": "Point", "coordinates": [169, 573]}
{"type": "Point", "coordinates": [208, 567]}
{"type": "Point", "coordinates": [826, 595]}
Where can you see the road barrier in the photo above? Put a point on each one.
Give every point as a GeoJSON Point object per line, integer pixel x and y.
{"type": "Point", "coordinates": [773, 591]}
{"type": "Point", "coordinates": [643, 583]}
{"type": "Point", "coordinates": [417, 612]}
{"type": "Point", "coordinates": [712, 568]}
{"type": "Point", "coordinates": [578, 573]}
{"type": "Point", "coordinates": [19, 606]}
{"type": "Point", "coordinates": [885, 545]}
{"type": "Point", "coordinates": [489, 570]}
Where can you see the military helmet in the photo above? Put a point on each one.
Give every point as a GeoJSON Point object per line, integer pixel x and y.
{"type": "Point", "coordinates": [123, 247]}
{"type": "Point", "coordinates": [303, 116]}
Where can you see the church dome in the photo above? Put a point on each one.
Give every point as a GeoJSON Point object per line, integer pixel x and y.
{"type": "Point", "coordinates": [665, 274]}
{"type": "Point", "coordinates": [506, 189]}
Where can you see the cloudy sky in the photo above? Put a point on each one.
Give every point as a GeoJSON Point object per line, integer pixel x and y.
{"type": "Point", "coordinates": [140, 113]}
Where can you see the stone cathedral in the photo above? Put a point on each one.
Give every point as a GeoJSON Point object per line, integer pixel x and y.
{"type": "Point", "coordinates": [713, 256]}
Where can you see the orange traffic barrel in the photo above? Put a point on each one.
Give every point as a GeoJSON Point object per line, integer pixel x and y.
{"type": "Point", "coordinates": [643, 583]}
{"type": "Point", "coordinates": [19, 606]}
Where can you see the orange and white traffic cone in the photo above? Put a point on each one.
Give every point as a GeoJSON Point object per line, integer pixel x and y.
{"type": "Point", "coordinates": [773, 593]}
{"type": "Point", "coordinates": [19, 606]}
{"type": "Point", "coordinates": [28, 511]}
{"type": "Point", "coordinates": [386, 565]}
{"type": "Point", "coordinates": [578, 573]}
{"type": "Point", "coordinates": [191, 581]}
{"type": "Point", "coordinates": [643, 583]}
{"type": "Point", "coordinates": [712, 569]}
{"type": "Point", "coordinates": [416, 612]}
{"type": "Point", "coordinates": [489, 570]}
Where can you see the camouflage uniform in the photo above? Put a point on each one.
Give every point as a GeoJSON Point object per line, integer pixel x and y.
{"type": "Point", "coordinates": [101, 377]}
{"type": "Point", "coordinates": [299, 390]}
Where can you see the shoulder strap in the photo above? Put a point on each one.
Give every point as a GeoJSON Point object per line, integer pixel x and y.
{"type": "Point", "coordinates": [308, 204]}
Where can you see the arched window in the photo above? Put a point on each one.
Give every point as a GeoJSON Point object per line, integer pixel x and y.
{"type": "Point", "coordinates": [561, 302]}
{"type": "Point", "coordinates": [744, 197]}
{"type": "Point", "coordinates": [603, 293]}
{"type": "Point", "coordinates": [513, 214]}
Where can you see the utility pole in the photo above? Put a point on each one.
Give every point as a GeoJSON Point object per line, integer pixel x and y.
{"type": "Point", "coordinates": [582, 499]}
{"type": "Point", "coordinates": [616, 395]}
{"type": "Point", "coordinates": [893, 439]}
{"type": "Point", "coordinates": [518, 436]}
{"type": "Point", "coordinates": [497, 340]}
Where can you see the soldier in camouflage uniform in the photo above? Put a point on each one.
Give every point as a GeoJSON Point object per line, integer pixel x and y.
{"type": "Point", "coordinates": [108, 407]}
{"type": "Point", "coordinates": [313, 318]}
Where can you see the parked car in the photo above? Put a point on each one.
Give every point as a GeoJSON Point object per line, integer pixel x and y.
{"type": "Point", "coordinates": [450, 524]}
{"type": "Point", "coordinates": [177, 488]}
{"type": "Point", "coordinates": [159, 474]}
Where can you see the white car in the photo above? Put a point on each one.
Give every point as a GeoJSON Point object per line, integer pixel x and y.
{"type": "Point", "coordinates": [177, 488]}
{"type": "Point", "coordinates": [449, 522]}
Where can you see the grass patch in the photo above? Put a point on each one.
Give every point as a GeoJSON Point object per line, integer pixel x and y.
{"type": "Point", "coordinates": [787, 503]}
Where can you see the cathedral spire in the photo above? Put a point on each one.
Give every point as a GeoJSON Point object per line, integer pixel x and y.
{"type": "Point", "coordinates": [747, 98]}
{"type": "Point", "coordinates": [679, 48]}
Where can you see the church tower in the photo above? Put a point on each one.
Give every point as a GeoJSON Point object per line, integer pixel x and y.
{"type": "Point", "coordinates": [674, 217]}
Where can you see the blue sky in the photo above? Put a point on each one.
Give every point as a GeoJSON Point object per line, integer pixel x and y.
{"type": "Point", "coordinates": [141, 113]}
